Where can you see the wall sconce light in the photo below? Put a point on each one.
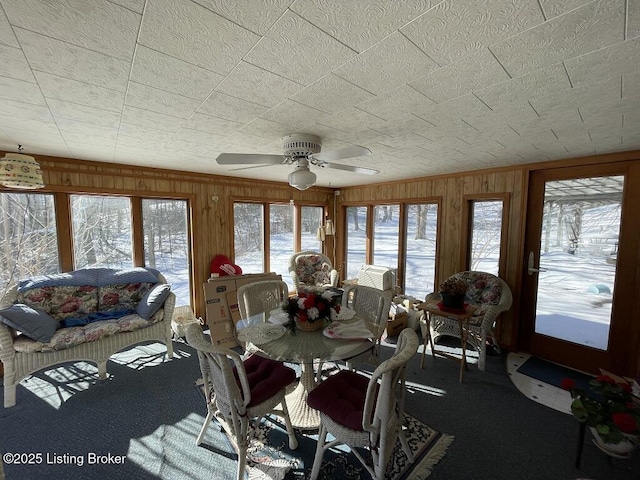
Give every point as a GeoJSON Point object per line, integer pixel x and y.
{"type": "Point", "coordinates": [20, 171]}
{"type": "Point", "coordinates": [327, 229]}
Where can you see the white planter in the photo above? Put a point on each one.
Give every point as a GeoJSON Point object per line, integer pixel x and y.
{"type": "Point", "coordinates": [621, 449]}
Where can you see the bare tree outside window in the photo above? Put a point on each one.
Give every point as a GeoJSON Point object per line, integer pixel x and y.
{"type": "Point", "coordinates": [101, 231]}
{"type": "Point", "coordinates": [281, 241]}
{"type": "Point", "coordinates": [356, 240]}
{"type": "Point", "coordinates": [421, 235]}
{"type": "Point", "coordinates": [248, 235]}
{"type": "Point", "coordinates": [386, 230]}
{"type": "Point", "coordinates": [28, 237]}
{"type": "Point", "coordinates": [166, 243]}
{"type": "Point", "coordinates": [311, 220]}
{"type": "Point", "coordinates": [486, 234]}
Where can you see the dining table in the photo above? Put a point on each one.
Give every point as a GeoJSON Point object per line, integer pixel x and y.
{"type": "Point", "coordinates": [346, 337]}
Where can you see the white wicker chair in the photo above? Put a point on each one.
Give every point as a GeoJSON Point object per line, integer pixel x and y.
{"type": "Point", "coordinates": [234, 401]}
{"type": "Point", "coordinates": [312, 271]}
{"type": "Point", "coordinates": [380, 402]}
{"type": "Point", "coordinates": [373, 305]}
{"type": "Point", "coordinates": [492, 295]}
{"type": "Point", "coordinates": [259, 297]}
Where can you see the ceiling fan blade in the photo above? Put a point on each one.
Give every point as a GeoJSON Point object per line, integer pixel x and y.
{"type": "Point", "coordinates": [248, 159]}
{"type": "Point", "coordinates": [247, 168]}
{"type": "Point", "coordinates": [341, 153]}
{"type": "Point", "coordinates": [351, 168]}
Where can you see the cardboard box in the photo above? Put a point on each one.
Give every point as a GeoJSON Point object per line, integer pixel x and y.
{"type": "Point", "coordinates": [397, 324]}
{"type": "Point", "coordinates": [222, 334]}
{"type": "Point", "coordinates": [396, 309]}
{"type": "Point", "coordinates": [232, 303]}
{"type": "Point", "coordinates": [220, 296]}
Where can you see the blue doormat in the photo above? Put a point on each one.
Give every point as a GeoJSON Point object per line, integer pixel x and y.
{"type": "Point", "coordinates": [553, 373]}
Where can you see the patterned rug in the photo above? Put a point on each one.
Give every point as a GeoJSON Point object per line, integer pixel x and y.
{"type": "Point", "coordinates": [269, 457]}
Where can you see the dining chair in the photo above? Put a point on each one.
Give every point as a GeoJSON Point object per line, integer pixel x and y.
{"type": "Point", "coordinates": [312, 271]}
{"type": "Point", "coordinates": [373, 305]}
{"type": "Point", "coordinates": [238, 391]}
{"type": "Point", "coordinates": [362, 412]}
{"type": "Point", "coordinates": [259, 297]}
{"type": "Point", "coordinates": [492, 295]}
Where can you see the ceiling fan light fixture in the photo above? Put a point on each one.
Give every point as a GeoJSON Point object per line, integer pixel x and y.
{"type": "Point", "coordinates": [302, 178]}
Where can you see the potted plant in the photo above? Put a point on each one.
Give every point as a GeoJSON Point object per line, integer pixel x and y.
{"type": "Point", "coordinates": [309, 311]}
{"type": "Point", "coordinates": [452, 292]}
{"type": "Point", "coordinates": [609, 409]}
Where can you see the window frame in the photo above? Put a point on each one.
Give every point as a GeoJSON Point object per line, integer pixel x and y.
{"type": "Point", "coordinates": [297, 230]}
{"type": "Point", "coordinates": [468, 227]}
{"type": "Point", "coordinates": [64, 233]}
{"type": "Point", "coordinates": [402, 232]}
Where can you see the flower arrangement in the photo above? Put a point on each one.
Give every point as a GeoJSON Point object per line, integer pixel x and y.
{"type": "Point", "coordinates": [310, 310]}
{"type": "Point", "coordinates": [609, 408]}
{"type": "Point", "coordinates": [453, 286]}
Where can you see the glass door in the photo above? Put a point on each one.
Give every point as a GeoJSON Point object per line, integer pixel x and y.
{"type": "Point", "coordinates": [571, 266]}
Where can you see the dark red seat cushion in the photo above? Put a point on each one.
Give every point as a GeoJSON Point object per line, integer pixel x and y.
{"type": "Point", "coordinates": [341, 397]}
{"type": "Point", "coordinates": [266, 378]}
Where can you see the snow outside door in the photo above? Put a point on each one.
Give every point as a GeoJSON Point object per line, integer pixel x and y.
{"type": "Point", "coordinates": [571, 265]}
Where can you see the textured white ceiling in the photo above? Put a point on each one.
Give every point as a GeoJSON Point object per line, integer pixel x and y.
{"type": "Point", "coordinates": [429, 87]}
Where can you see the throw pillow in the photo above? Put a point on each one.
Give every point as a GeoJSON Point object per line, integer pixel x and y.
{"type": "Point", "coordinates": [32, 322]}
{"type": "Point", "coordinates": [153, 300]}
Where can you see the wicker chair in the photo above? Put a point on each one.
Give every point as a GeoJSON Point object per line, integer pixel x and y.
{"type": "Point", "coordinates": [312, 271]}
{"type": "Point", "coordinates": [365, 412]}
{"type": "Point", "coordinates": [373, 305]}
{"type": "Point", "coordinates": [259, 297]}
{"type": "Point", "coordinates": [238, 391]}
{"type": "Point", "coordinates": [492, 295]}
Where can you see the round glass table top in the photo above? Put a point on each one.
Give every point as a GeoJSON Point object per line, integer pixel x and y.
{"type": "Point", "coordinates": [298, 346]}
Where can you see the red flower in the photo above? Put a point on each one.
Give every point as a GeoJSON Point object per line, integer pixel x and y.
{"type": "Point", "coordinates": [625, 422]}
{"type": "Point", "coordinates": [302, 317]}
{"type": "Point", "coordinates": [568, 384]}
{"type": "Point", "coordinates": [321, 306]}
{"type": "Point", "coordinates": [626, 387]}
{"type": "Point", "coordinates": [310, 301]}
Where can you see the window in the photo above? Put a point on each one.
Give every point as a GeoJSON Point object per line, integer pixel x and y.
{"type": "Point", "coordinates": [251, 249]}
{"type": "Point", "coordinates": [248, 236]}
{"type": "Point", "coordinates": [166, 243]}
{"type": "Point", "coordinates": [28, 235]}
{"type": "Point", "coordinates": [281, 240]}
{"type": "Point", "coordinates": [356, 240]}
{"type": "Point", "coordinates": [386, 229]}
{"type": "Point", "coordinates": [420, 259]}
{"type": "Point", "coordinates": [311, 220]}
{"type": "Point", "coordinates": [101, 229]}
{"type": "Point", "coordinates": [486, 235]}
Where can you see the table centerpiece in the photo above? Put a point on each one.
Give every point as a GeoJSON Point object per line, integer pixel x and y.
{"type": "Point", "coordinates": [310, 311]}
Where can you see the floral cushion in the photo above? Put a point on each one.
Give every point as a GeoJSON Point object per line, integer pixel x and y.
{"type": "Point", "coordinates": [482, 288]}
{"type": "Point", "coordinates": [121, 296]}
{"type": "Point", "coordinates": [313, 270]}
{"type": "Point", "coordinates": [72, 336]}
{"type": "Point", "coordinates": [62, 301]}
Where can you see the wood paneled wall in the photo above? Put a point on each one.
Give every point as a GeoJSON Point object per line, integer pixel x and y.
{"type": "Point", "coordinates": [211, 221]}
{"type": "Point", "coordinates": [453, 192]}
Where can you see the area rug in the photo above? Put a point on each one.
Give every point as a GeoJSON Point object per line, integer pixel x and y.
{"type": "Point", "coordinates": [269, 457]}
{"type": "Point", "coordinates": [553, 373]}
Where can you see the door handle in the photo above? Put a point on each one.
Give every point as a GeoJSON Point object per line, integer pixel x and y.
{"type": "Point", "coordinates": [530, 268]}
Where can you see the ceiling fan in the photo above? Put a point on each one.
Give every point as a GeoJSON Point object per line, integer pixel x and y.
{"type": "Point", "coordinates": [301, 150]}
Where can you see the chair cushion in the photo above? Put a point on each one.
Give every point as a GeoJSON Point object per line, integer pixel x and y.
{"type": "Point", "coordinates": [266, 378]}
{"type": "Point", "coordinates": [341, 397]}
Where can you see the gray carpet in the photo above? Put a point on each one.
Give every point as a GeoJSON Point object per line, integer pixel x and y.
{"type": "Point", "coordinates": [150, 411]}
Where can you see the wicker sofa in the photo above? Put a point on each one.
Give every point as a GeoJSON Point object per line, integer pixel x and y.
{"type": "Point", "coordinates": [87, 314]}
